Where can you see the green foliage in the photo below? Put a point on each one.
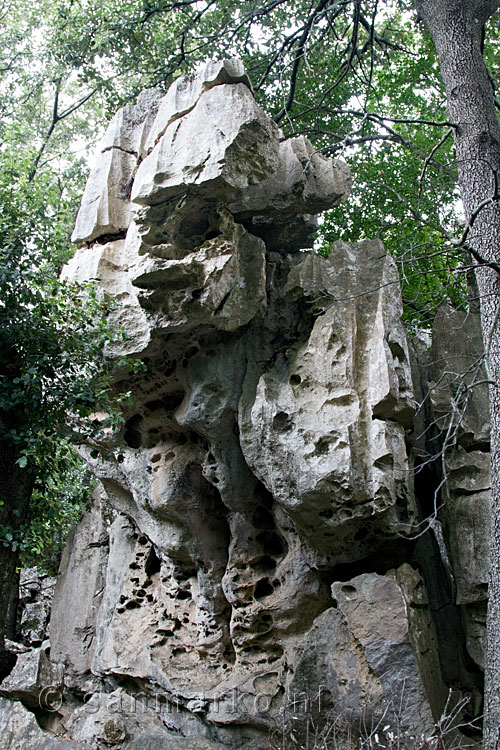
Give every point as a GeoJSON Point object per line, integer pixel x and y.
{"type": "Point", "coordinates": [404, 187]}
{"type": "Point", "coordinates": [56, 381]}
{"type": "Point", "coordinates": [53, 334]}
{"type": "Point", "coordinates": [56, 505]}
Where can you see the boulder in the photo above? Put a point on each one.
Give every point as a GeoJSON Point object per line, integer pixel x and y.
{"type": "Point", "coordinates": [19, 729]}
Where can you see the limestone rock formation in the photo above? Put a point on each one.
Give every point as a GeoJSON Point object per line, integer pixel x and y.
{"type": "Point", "coordinates": [249, 557]}
{"type": "Point", "coordinates": [36, 590]}
{"type": "Point", "coordinates": [458, 378]}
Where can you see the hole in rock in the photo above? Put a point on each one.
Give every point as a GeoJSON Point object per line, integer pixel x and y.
{"type": "Point", "coordinates": [326, 514]}
{"type": "Point", "coordinates": [172, 400]}
{"type": "Point", "coordinates": [321, 447]}
{"type": "Point", "coordinates": [221, 304]}
{"type": "Point", "coordinates": [196, 293]}
{"type": "Point", "coordinates": [361, 534]}
{"type": "Point", "coordinates": [397, 350]}
{"type": "Point", "coordinates": [251, 649]}
{"type": "Point", "coordinates": [281, 422]}
{"type": "Point", "coordinates": [132, 435]}
{"type": "Point", "coordinates": [195, 225]}
{"type": "Point", "coordinates": [155, 458]}
{"type": "Point", "coordinates": [154, 405]}
{"type": "Point", "coordinates": [265, 563]}
{"type": "Point", "coordinates": [347, 589]}
{"type": "Point", "coordinates": [181, 594]}
{"type": "Point", "coordinates": [264, 624]}
{"type": "Point", "coordinates": [182, 574]}
{"type": "Point", "coordinates": [152, 564]}
{"type": "Point", "coordinates": [132, 604]}
{"type": "Point", "coordinates": [47, 717]}
{"type": "Point", "coordinates": [229, 654]}
{"type": "Point", "coordinates": [384, 462]}
{"type": "Point", "coordinates": [262, 519]}
{"type": "Point", "coordinates": [263, 588]}
{"type": "Point", "coordinates": [165, 632]}
{"type": "Point", "coordinates": [271, 542]}
{"type": "Point", "coordinates": [295, 379]}
{"type": "Point", "coordinates": [170, 367]}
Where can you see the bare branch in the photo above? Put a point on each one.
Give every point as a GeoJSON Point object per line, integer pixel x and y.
{"type": "Point", "coordinates": [428, 160]}
{"type": "Point", "coordinates": [298, 58]}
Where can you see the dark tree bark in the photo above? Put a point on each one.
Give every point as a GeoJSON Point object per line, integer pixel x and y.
{"type": "Point", "coordinates": [17, 487]}
{"type": "Point", "coordinates": [456, 27]}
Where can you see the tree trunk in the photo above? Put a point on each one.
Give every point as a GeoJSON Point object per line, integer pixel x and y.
{"type": "Point", "coordinates": [456, 27]}
{"type": "Point", "coordinates": [17, 486]}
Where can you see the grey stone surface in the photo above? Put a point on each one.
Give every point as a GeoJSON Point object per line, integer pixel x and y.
{"type": "Point", "coordinates": [459, 409]}
{"type": "Point", "coordinates": [467, 518]}
{"type": "Point", "coordinates": [32, 674]}
{"type": "Point", "coordinates": [245, 150]}
{"type": "Point", "coordinates": [79, 591]}
{"type": "Point", "coordinates": [105, 207]}
{"type": "Point", "coordinates": [374, 610]}
{"type": "Point", "coordinates": [255, 541]}
{"type": "Point", "coordinates": [36, 590]}
{"type": "Point", "coordinates": [19, 729]}
{"type": "Point", "coordinates": [118, 719]}
{"type": "Point", "coordinates": [107, 265]}
{"type": "Point", "coordinates": [184, 93]}
{"type": "Point", "coordinates": [357, 661]}
{"type": "Point", "coordinates": [458, 391]}
{"type": "Point", "coordinates": [304, 181]}
{"type": "Point", "coordinates": [345, 461]}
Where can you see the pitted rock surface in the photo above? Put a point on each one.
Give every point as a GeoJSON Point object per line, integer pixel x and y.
{"type": "Point", "coordinates": [251, 541]}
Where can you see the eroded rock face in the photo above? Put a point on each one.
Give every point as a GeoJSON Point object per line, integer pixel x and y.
{"type": "Point", "coordinates": [36, 590]}
{"type": "Point", "coordinates": [458, 376]}
{"type": "Point", "coordinates": [250, 549]}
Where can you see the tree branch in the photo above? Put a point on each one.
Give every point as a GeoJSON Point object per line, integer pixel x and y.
{"type": "Point", "coordinates": [428, 160]}
{"type": "Point", "coordinates": [298, 58]}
